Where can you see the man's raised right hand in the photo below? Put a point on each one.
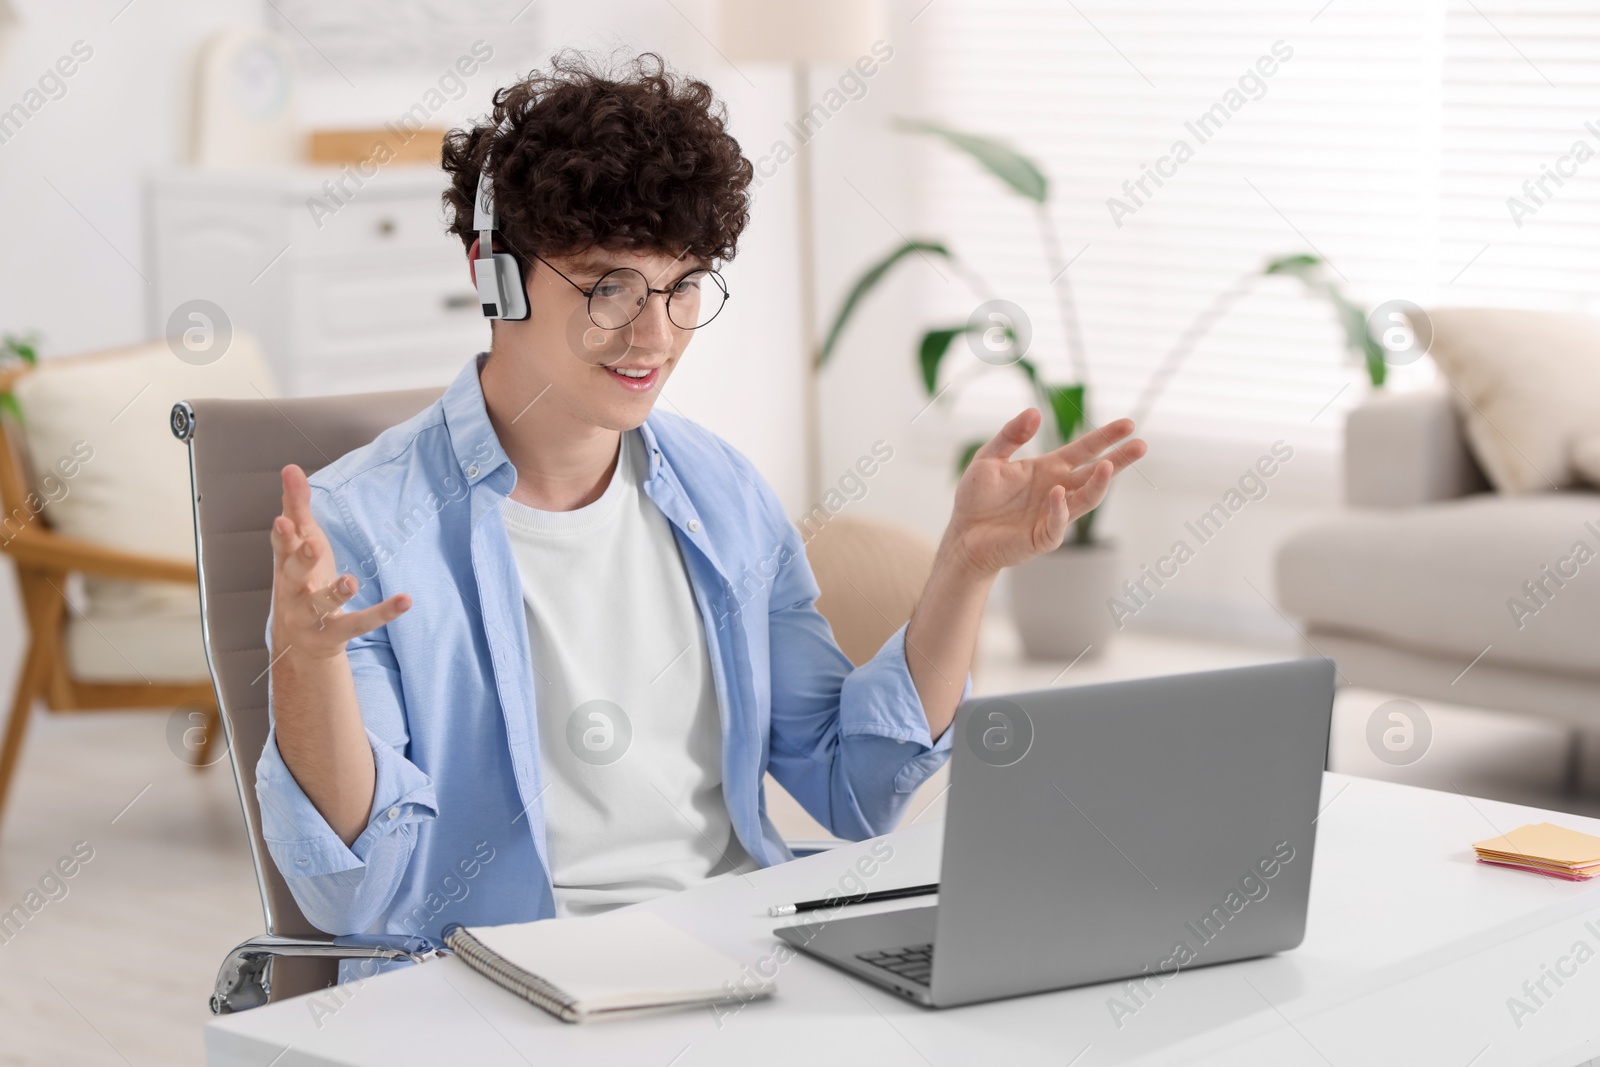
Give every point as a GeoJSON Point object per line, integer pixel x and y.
{"type": "Point", "coordinates": [308, 593]}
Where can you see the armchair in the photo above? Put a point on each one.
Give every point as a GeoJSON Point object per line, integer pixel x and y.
{"type": "Point", "coordinates": [55, 668]}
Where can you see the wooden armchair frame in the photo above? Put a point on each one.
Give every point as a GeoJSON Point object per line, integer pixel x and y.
{"type": "Point", "coordinates": [45, 559]}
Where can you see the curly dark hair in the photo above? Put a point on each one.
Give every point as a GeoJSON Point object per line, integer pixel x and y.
{"type": "Point", "coordinates": [580, 157]}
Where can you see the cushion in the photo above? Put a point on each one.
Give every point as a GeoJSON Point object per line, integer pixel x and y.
{"type": "Point", "coordinates": [1527, 384]}
{"type": "Point", "coordinates": [103, 457]}
{"type": "Point", "coordinates": [157, 648]}
{"type": "Point", "coordinates": [1519, 575]}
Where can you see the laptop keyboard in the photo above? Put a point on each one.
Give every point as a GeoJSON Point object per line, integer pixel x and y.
{"type": "Point", "coordinates": [913, 962]}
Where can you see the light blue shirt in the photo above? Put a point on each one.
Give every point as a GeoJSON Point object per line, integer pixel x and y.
{"type": "Point", "coordinates": [457, 827]}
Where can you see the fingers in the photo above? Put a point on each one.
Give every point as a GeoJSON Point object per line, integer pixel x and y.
{"type": "Point", "coordinates": [330, 600]}
{"type": "Point", "coordinates": [285, 541]}
{"type": "Point", "coordinates": [322, 608]}
{"type": "Point", "coordinates": [1062, 506]}
{"type": "Point", "coordinates": [1057, 517]}
{"type": "Point", "coordinates": [302, 559]}
{"type": "Point", "coordinates": [1121, 457]}
{"type": "Point", "coordinates": [1129, 452]}
{"type": "Point", "coordinates": [335, 595]}
{"type": "Point", "coordinates": [359, 622]}
{"type": "Point", "coordinates": [295, 556]}
{"type": "Point", "coordinates": [1084, 448]}
{"type": "Point", "coordinates": [1125, 454]}
{"type": "Point", "coordinates": [1012, 436]}
{"type": "Point", "coordinates": [1093, 491]}
{"type": "Point", "coordinates": [292, 549]}
{"type": "Point", "coordinates": [297, 499]}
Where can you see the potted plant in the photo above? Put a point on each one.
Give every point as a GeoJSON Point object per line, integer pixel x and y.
{"type": "Point", "coordinates": [1058, 599]}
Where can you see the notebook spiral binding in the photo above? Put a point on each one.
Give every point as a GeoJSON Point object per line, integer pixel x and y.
{"type": "Point", "coordinates": [508, 975]}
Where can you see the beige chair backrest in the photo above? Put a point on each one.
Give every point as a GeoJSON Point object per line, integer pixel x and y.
{"type": "Point", "coordinates": [871, 574]}
{"type": "Point", "coordinates": [236, 450]}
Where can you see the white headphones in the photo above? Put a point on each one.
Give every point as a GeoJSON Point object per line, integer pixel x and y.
{"type": "Point", "coordinates": [500, 288]}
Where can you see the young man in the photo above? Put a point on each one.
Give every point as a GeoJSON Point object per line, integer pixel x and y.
{"type": "Point", "coordinates": [535, 647]}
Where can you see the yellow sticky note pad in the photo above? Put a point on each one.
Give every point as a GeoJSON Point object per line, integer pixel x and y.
{"type": "Point", "coordinates": [1545, 842]}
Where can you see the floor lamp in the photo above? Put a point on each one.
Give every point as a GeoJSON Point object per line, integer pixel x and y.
{"type": "Point", "coordinates": [835, 32]}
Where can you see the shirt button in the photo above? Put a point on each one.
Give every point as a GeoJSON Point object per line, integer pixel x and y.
{"type": "Point", "coordinates": [394, 813]}
{"type": "Point", "coordinates": [472, 471]}
{"type": "Point", "coordinates": [302, 861]}
{"type": "Point", "coordinates": [694, 525]}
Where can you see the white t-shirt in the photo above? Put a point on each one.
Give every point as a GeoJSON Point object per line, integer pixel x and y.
{"type": "Point", "coordinates": [629, 726]}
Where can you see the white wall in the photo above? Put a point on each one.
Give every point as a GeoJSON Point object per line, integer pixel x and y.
{"type": "Point", "coordinates": [70, 179]}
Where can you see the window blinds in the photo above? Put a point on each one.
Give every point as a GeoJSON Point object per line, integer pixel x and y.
{"type": "Point", "coordinates": [1384, 137]}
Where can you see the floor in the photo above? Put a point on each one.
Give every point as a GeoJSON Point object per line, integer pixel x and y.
{"type": "Point", "coordinates": [117, 966]}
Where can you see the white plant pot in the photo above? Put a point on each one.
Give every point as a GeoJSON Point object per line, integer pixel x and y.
{"type": "Point", "coordinates": [1058, 600]}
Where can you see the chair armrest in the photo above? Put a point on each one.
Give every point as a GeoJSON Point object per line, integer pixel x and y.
{"type": "Point", "coordinates": [46, 548]}
{"type": "Point", "coordinates": [1403, 449]}
{"type": "Point", "coordinates": [244, 981]}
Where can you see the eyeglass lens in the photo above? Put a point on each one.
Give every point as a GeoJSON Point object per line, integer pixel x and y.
{"type": "Point", "coordinates": [619, 297]}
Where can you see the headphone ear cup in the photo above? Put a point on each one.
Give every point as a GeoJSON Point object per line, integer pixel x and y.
{"type": "Point", "coordinates": [500, 290]}
{"type": "Point", "coordinates": [513, 293]}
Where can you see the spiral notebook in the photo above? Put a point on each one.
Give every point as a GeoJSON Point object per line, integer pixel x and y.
{"type": "Point", "coordinates": [605, 966]}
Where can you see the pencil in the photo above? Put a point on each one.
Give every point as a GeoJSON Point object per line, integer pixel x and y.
{"type": "Point", "coordinates": [778, 911]}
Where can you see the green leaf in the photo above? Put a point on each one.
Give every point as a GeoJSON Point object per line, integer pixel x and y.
{"type": "Point", "coordinates": [9, 406]}
{"type": "Point", "coordinates": [1300, 264]}
{"type": "Point", "coordinates": [931, 352]}
{"type": "Point", "coordinates": [24, 347]}
{"type": "Point", "coordinates": [1358, 339]}
{"type": "Point", "coordinates": [865, 284]}
{"type": "Point", "coordinates": [964, 460]}
{"type": "Point", "coordinates": [1377, 366]}
{"type": "Point", "coordinates": [1066, 404]}
{"type": "Point", "coordinates": [1001, 160]}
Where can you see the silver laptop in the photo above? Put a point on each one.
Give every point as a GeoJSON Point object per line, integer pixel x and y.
{"type": "Point", "coordinates": [1127, 830]}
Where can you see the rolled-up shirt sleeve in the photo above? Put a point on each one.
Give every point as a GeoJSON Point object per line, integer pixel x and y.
{"type": "Point", "coordinates": [888, 747]}
{"type": "Point", "coordinates": [851, 744]}
{"type": "Point", "coordinates": [344, 889]}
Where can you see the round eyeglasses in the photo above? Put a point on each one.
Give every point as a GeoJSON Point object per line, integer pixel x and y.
{"type": "Point", "coordinates": [619, 297]}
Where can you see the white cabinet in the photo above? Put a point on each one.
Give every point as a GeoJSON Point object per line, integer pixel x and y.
{"type": "Point", "coordinates": [363, 295]}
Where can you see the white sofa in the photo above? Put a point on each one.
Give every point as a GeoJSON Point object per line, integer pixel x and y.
{"type": "Point", "coordinates": [1416, 580]}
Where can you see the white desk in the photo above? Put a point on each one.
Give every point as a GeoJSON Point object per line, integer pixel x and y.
{"type": "Point", "coordinates": [1411, 952]}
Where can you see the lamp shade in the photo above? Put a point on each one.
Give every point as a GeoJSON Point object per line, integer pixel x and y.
{"type": "Point", "coordinates": [784, 31]}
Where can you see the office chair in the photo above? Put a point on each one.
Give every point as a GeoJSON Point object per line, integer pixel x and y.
{"type": "Point", "coordinates": [236, 450]}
